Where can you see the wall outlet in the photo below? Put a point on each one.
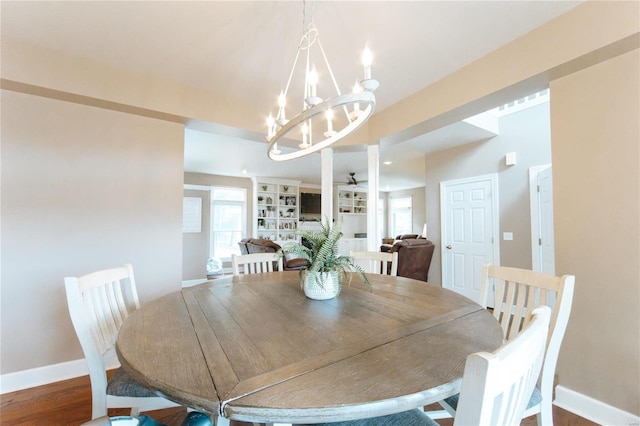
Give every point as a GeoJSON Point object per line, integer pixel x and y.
{"type": "Point", "coordinates": [507, 236]}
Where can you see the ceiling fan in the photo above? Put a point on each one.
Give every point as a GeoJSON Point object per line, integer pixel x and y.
{"type": "Point", "coordinates": [351, 180]}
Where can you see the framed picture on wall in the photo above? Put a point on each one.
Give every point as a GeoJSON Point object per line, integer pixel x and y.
{"type": "Point", "coordinates": [191, 214]}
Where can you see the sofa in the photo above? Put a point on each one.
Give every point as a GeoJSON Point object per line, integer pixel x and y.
{"type": "Point", "coordinates": [260, 245]}
{"type": "Point", "coordinates": [414, 256]}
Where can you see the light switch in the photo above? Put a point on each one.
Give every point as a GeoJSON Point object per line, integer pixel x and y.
{"type": "Point", "coordinates": [507, 236]}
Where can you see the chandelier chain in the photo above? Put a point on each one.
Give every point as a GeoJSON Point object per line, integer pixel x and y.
{"type": "Point", "coordinates": [307, 21]}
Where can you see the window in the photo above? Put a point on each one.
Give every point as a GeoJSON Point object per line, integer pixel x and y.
{"type": "Point", "coordinates": [400, 212]}
{"type": "Point", "coordinates": [228, 221]}
{"type": "Point", "coordinates": [522, 103]}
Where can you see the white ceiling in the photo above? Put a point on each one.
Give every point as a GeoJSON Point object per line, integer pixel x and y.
{"type": "Point", "coordinates": [247, 48]}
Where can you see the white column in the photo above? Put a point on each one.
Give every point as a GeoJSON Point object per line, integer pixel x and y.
{"type": "Point", "coordinates": [373, 158]}
{"type": "Point", "coordinates": [326, 184]}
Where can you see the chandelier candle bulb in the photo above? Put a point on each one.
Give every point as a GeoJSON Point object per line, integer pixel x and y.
{"type": "Point", "coordinates": [313, 81]}
{"type": "Point", "coordinates": [368, 83]}
{"type": "Point", "coordinates": [330, 132]}
{"type": "Point", "coordinates": [305, 131]}
{"type": "Point", "coordinates": [367, 60]}
{"type": "Point", "coordinates": [282, 102]}
{"type": "Point", "coordinates": [312, 97]}
{"type": "Point", "coordinates": [356, 106]}
{"type": "Point", "coordinates": [271, 126]}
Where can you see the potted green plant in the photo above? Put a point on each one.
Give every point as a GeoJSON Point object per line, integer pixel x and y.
{"type": "Point", "coordinates": [326, 269]}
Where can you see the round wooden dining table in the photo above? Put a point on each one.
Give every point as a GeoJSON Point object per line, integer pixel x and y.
{"type": "Point", "coordinates": [254, 348]}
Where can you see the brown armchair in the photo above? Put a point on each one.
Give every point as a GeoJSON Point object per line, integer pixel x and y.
{"type": "Point", "coordinates": [407, 236]}
{"type": "Point", "coordinates": [414, 257]}
{"type": "Point", "coordinates": [260, 245]}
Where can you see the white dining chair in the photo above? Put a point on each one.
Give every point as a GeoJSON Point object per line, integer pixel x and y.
{"type": "Point", "coordinates": [515, 294]}
{"type": "Point", "coordinates": [98, 304]}
{"type": "Point", "coordinates": [495, 386]}
{"type": "Point", "coordinates": [256, 263]}
{"type": "Point", "coordinates": [376, 262]}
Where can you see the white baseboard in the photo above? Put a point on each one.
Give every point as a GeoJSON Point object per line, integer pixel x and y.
{"type": "Point", "coordinates": [190, 283]}
{"type": "Point", "coordinates": [42, 375]}
{"type": "Point", "coordinates": [39, 376]}
{"type": "Point", "coordinates": [593, 409]}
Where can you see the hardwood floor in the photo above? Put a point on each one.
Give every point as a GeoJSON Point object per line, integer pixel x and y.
{"type": "Point", "coordinates": [69, 403]}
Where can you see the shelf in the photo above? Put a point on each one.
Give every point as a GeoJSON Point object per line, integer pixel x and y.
{"type": "Point", "coordinates": [277, 209]}
{"type": "Point", "coordinates": [351, 209]}
{"type": "Point", "coordinates": [352, 201]}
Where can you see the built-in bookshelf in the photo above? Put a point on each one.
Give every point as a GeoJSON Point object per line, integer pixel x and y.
{"type": "Point", "coordinates": [351, 209]}
{"type": "Point", "coordinates": [277, 209]}
{"type": "Point", "coordinates": [352, 200]}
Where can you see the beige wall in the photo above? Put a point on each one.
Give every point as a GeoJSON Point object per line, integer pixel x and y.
{"type": "Point", "coordinates": [596, 138]}
{"type": "Point", "coordinates": [527, 134]}
{"type": "Point", "coordinates": [82, 189]}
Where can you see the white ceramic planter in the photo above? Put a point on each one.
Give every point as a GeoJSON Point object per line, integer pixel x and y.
{"type": "Point", "coordinates": [323, 287]}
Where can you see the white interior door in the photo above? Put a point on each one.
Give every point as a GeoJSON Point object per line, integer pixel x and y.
{"type": "Point", "coordinates": [469, 211]}
{"type": "Point", "coordinates": [542, 239]}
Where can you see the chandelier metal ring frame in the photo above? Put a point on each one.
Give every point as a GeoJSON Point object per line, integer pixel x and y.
{"type": "Point", "coordinates": [314, 105]}
{"type": "Point", "coordinates": [364, 97]}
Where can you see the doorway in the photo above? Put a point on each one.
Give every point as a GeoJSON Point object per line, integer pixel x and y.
{"type": "Point", "coordinates": [541, 202]}
{"type": "Point", "coordinates": [470, 225]}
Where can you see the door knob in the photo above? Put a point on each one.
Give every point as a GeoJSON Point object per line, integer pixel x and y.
{"type": "Point", "coordinates": [449, 247]}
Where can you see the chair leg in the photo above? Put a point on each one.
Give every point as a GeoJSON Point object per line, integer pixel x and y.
{"type": "Point", "coordinates": [450, 409]}
{"type": "Point", "coordinates": [98, 405]}
{"type": "Point", "coordinates": [545, 416]}
{"type": "Point", "coordinates": [438, 414]}
{"type": "Point", "coordinates": [222, 421]}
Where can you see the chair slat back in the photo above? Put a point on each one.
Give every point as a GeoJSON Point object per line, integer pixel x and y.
{"type": "Point", "coordinates": [517, 293]}
{"type": "Point", "coordinates": [496, 386]}
{"type": "Point", "coordinates": [256, 263]}
{"type": "Point", "coordinates": [376, 262]}
{"type": "Point", "coordinates": [98, 304]}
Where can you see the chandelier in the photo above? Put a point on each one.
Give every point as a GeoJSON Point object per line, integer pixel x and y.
{"type": "Point", "coordinates": [322, 121]}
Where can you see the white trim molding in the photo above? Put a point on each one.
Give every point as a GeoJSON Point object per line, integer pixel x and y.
{"type": "Point", "coordinates": [39, 376]}
{"type": "Point", "coordinates": [593, 409]}
{"type": "Point", "coordinates": [191, 283]}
